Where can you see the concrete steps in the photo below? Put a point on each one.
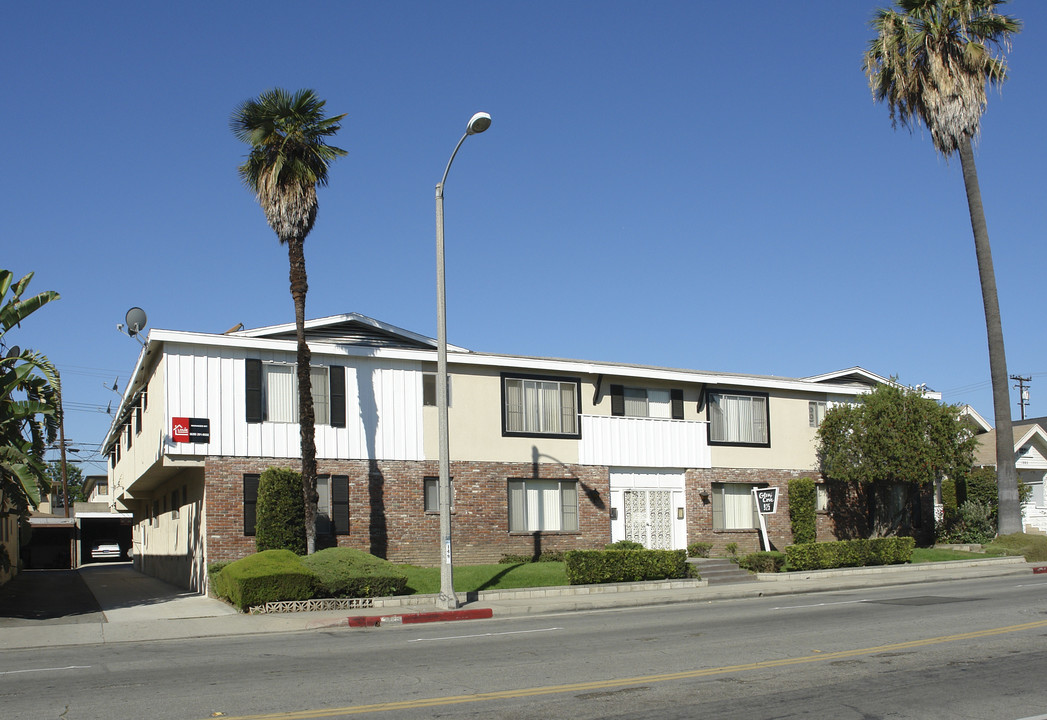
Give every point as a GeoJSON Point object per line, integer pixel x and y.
{"type": "Point", "coordinates": [721, 571]}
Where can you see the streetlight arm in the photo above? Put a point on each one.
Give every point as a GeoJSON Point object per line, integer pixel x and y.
{"type": "Point", "coordinates": [440, 186]}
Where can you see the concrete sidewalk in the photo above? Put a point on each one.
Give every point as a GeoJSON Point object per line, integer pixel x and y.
{"type": "Point", "coordinates": [136, 608]}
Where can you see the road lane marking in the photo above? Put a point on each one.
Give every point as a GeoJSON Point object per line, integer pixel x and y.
{"type": "Point", "coordinates": [823, 604]}
{"type": "Point", "coordinates": [478, 635]}
{"type": "Point", "coordinates": [54, 669]}
{"type": "Point", "coordinates": [623, 682]}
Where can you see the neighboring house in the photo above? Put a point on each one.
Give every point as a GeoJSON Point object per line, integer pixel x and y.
{"type": "Point", "coordinates": [1030, 455]}
{"type": "Point", "coordinates": [546, 454]}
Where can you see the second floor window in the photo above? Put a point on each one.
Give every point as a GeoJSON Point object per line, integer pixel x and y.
{"type": "Point", "coordinates": [738, 419]}
{"type": "Point", "coordinates": [272, 393]}
{"type": "Point", "coordinates": [540, 406]}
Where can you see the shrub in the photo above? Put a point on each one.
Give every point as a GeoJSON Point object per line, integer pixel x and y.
{"type": "Point", "coordinates": [585, 567]}
{"type": "Point", "coordinates": [699, 549]}
{"type": "Point", "coordinates": [973, 522]}
{"type": "Point", "coordinates": [267, 576]}
{"type": "Point", "coordinates": [802, 514]}
{"type": "Point", "coordinates": [850, 553]}
{"type": "Point", "coordinates": [763, 561]}
{"type": "Point", "coordinates": [280, 512]}
{"type": "Point", "coordinates": [731, 549]}
{"type": "Point", "coordinates": [548, 556]}
{"type": "Point", "coordinates": [624, 545]}
{"type": "Point", "coordinates": [347, 572]}
{"type": "Point", "coordinates": [1033, 547]}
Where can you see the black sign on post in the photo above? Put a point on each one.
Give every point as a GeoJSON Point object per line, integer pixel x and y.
{"type": "Point", "coordinates": [766, 500]}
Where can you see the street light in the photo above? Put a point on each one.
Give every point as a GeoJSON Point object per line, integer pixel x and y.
{"type": "Point", "coordinates": [447, 600]}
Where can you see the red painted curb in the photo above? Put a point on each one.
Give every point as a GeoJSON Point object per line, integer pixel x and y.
{"type": "Point", "coordinates": [1040, 569]}
{"type": "Point", "coordinates": [415, 618]}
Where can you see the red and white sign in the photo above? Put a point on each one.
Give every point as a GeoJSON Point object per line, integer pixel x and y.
{"type": "Point", "coordinates": [180, 429]}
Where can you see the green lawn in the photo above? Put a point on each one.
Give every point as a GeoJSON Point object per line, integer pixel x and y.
{"type": "Point", "coordinates": [926, 555]}
{"type": "Point", "coordinates": [470, 578]}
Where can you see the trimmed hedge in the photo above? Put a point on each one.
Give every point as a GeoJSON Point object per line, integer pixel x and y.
{"type": "Point", "coordinates": [763, 561]}
{"type": "Point", "coordinates": [351, 573]}
{"type": "Point", "coordinates": [267, 576]}
{"type": "Point", "coordinates": [546, 556]}
{"type": "Point", "coordinates": [586, 567]}
{"type": "Point", "coordinates": [850, 553]}
{"type": "Point", "coordinates": [280, 511]}
{"type": "Point", "coordinates": [802, 510]}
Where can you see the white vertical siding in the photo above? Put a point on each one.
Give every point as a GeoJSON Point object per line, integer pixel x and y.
{"type": "Point", "coordinates": [643, 442]}
{"type": "Point", "coordinates": [383, 407]}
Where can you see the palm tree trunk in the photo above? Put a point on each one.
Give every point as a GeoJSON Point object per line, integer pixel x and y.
{"type": "Point", "coordinates": [1010, 517]}
{"type": "Point", "coordinates": [299, 288]}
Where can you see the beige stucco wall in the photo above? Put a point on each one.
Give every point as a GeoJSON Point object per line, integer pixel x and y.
{"type": "Point", "coordinates": [171, 547]}
{"type": "Point", "coordinates": [147, 445]}
{"type": "Point", "coordinates": [793, 440]}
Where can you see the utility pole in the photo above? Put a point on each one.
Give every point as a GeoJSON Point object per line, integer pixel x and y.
{"type": "Point", "coordinates": [1023, 393]}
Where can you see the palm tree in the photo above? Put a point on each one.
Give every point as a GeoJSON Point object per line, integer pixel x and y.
{"type": "Point", "coordinates": [931, 61]}
{"type": "Point", "coordinates": [30, 405]}
{"type": "Point", "coordinates": [289, 158]}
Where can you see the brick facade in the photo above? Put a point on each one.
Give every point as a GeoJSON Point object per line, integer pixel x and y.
{"type": "Point", "coordinates": [387, 514]}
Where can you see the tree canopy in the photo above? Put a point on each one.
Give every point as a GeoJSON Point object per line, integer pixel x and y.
{"type": "Point", "coordinates": [894, 435]}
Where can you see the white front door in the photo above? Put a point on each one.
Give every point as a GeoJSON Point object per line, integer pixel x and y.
{"type": "Point", "coordinates": [647, 506]}
{"type": "Point", "coordinates": [648, 518]}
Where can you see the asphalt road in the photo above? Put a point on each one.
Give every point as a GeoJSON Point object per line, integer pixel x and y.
{"type": "Point", "coordinates": [973, 649]}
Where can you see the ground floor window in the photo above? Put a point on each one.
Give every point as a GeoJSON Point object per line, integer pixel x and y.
{"type": "Point", "coordinates": [332, 507]}
{"type": "Point", "coordinates": [432, 494]}
{"type": "Point", "coordinates": [543, 505]}
{"type": "Point", "coordinates": [733, 507]}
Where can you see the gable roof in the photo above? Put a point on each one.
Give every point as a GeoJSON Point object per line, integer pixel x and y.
{"type": "Point", "coordinates": [1025, 433]}
{"type": "Point", "coordinates": [348, 328]}
{"type": "Point", "coordinates": [851, 376]}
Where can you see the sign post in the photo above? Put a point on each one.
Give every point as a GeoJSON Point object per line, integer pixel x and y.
{"type": "Point", "coordinates": [766, 500]}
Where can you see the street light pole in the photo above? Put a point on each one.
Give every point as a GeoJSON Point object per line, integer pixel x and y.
{"type": "Point", "coordinates": [448, 599]}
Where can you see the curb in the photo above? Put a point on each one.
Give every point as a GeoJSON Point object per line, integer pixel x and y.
{"type": "Point", "coordinates": [423, 617]}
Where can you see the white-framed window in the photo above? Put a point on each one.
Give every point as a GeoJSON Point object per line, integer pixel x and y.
{"type": "Point", "coordinates": [429, 390]}
{"type": "Point", "coordinates": [332, 505]}
{"type": "Point", "coordinates": [543, 505]}
{"type": "Point", "coordinates": [733, 507]}
{"type": "Point", "coordinates": [646, 402]}
{"type": "Point", "coordinates": [281, 393]}
{"type": "Point", "coordinates": [540, 406]}
{"type": "Point", "coordinates": [821, 498]}
{"type": "Point", "coordinates": [431, 488]}
{"type": "Point", "coordinates": [738, 419]}
{"type": "Point", "coordinates": [816, 412]}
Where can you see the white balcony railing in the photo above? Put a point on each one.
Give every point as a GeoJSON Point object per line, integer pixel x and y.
{"type": "Point", "coordinates": [643, 442]}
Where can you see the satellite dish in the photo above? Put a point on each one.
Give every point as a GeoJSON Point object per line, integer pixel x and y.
{"type": "Point", "coordinates": [135, 320]}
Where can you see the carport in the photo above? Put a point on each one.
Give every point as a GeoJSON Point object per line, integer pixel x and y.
{"type": "Point", "coordinates": [95, 526]}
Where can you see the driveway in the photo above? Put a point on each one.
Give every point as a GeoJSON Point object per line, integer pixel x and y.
{"type": "Point", "coordinates": [49, 597]}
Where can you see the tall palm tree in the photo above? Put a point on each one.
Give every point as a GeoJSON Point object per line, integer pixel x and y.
{"type": "Point", "coordinates": [931, 61]}
{"type": "Point", "coordinates": [288, 160]}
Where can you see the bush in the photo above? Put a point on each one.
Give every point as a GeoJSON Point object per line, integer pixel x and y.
{"type": "Point", "coordinates": [585, 567]}
{"type": "Point", "coordinates": [280, 512]}
{"type": "Point", "coordinates": [973, 522]}
{"type": "Point", "coordinates": [1033, 547]}
{"type": "Point", "coordinates": [548, 556]}
{"type": "Point", "coordinates": [850, 553]}
{"type": "Point", "coordinates": [624, 545]}
{"type": "Point", "coordinates": [351, 573]}
{"type": "Point", "coordinates": [264, 577]}
{"type": "Point", "coordinates": [699, 549]}
{"type": "Point", "coordinates": [802, 514]}
{"type": "Point", "coordinates": [763, 561]}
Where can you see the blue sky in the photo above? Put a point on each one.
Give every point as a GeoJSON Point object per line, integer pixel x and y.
{"type": "Point", "coordinates": [686, 184]}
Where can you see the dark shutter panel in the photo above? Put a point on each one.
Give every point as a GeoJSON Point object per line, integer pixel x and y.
{"type": "Point", "coordinates": [250, 501]}
{"type": "Point", "coordinates": [618, 400]}
{"type": "Point", "coordinates": [677, 403]}
{"type": "Point", "coordinates": [337, 396]}
{"type": "Point", "coordinates": [253, 390]}
{"type": "Point", "coordinates": [340, 504]}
